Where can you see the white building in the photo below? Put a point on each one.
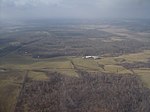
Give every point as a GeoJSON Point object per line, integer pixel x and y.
{"type": "Point", "coordinates": [94, 57]}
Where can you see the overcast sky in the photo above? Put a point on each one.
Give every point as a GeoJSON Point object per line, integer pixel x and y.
{"type": "Point", "coordinates": [79, 9]}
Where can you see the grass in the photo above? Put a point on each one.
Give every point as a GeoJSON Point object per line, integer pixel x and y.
{"type": "Point", "coordinates": [70, 72]}
{"type": "Point", "coordinates": [107, 61]}
{"type": "Point", "coordinates": [16, 60]}
{"type": "Point", "coordinates": [130, 58]}
{"type": "Point", "coordinates": [64, 67]}
{"type": "Point", "coordinates": [144, 74]}
{"type": "Point", "coordinates": [37, 75]}
{"type": "Point", "coordinates": [137, 57]}
{"type": "Point", "coordinates": [52, 65]}
{"type": "Point", "coordinates": [63, 64]}
{"type": "Point", "coordinates": [8, 94]}
{"type": "Point", "coordinates": [40, 65]}
{"type": "Point", "coordinates": [87, 64]}
{"type": "Point", "coordinates": [9, 89]}
{"type": "Point", "coordinates": [116, 69]}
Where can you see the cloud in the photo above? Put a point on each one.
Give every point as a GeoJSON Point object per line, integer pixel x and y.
{"type": "Point", "coordinates": [74, 8]}
{"type": "Point", "coordinates": [51, 2]}
{"type": "Point", "coordinates": [18, 3]}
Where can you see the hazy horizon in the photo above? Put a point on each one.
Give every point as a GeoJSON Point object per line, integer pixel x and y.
{"type": "Point", "coordinates": [73, 9]}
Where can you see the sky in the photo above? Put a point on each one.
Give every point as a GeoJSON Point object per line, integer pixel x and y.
{"type": "Point", "coordinates": [74, 9]}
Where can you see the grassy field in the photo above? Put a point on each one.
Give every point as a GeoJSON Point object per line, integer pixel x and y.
{"type": "Point", "coordinates": [10, 84]}
{"type": "Point", "coordinates": [64, 64]}
{"type": "Point", "coordinates": [87, 64]}
{"type": "Point", "coordinates": [137, 57]}
{"type": "Point", "coordinates": [52, 65]}
{"type": "Point", "coordinates": [16, 60]}
{"type": "Point", "coordinates": [144, 74]}
{"type": "Point", "coordinates": [37, 75]}
{"type": "Point", "coordinates": [116, 69]}
{"type": "Point", "coordinates": [107, 61]}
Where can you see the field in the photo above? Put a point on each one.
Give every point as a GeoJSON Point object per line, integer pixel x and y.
{"type": "Point", "coordinates": [46, 64]}
{"type": "Point", "coordinates": [105, 64]}
{"type": "Point", "coordinates": [144, 74]}
{"type": "Point", "coordinates": [10, 85]}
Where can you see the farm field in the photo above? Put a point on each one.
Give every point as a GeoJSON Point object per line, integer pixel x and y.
{"type": "Point", "coordinates": [71, 65]}
{"type": "Point", "coordinates": [45, 66]}
{"type": "Point", "coordinates": [10, 86]}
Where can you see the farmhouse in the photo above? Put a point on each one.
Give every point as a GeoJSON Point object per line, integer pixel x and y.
{"type": "Point", "coordinates": [94, 57]}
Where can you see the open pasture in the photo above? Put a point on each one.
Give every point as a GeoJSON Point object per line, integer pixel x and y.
{"type": "Point", "coordinates": [10, 85]}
